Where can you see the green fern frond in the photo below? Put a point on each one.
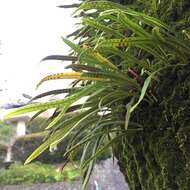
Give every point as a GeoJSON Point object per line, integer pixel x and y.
{"type": "Point", "coordinates": [100, 5]}
{"type": "Point", "coordinates": [60, 58]}
{"type": "Point", "coordinates": [52, 104]}
{"type": "Point", "coordinates": [55, 92]}
{"type": "Point", "coordinates": [131, 41]}
{"type": "Point", "coordinates": [120, 54]}
{"type": "Point", "coordinates": [74, 75]}
{"type": "Point", "coordinates": [108, 30]}
{"type": "Point", "coordinates": [134, 27]}
{"type": "Point", "coordinates": [117, 8]}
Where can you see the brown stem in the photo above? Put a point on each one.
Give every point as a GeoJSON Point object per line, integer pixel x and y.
{"type": "Point", "coordinates": [136, 76]}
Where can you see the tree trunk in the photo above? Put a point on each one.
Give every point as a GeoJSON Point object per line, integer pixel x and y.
{"type": "Point", "coordinates": [158, 158]}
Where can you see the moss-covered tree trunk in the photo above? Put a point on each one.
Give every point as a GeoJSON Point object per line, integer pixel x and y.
{"type": "Point", "coordinates": [158, 158]}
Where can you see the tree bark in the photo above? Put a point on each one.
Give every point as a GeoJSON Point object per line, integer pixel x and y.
{"type": "Point", "coordinates": [158, 158]}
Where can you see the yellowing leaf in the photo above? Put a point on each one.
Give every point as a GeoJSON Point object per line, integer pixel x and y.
{"type": "Point", "coordinates": [72, 75]}
{"type": "Point", "coordinates": [103, 60]}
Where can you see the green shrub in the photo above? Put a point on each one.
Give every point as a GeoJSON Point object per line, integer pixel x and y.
{"type": "Point", "coordinates": [24, 145]}
{"type": "Point", "coordinates": [6, 132]}
{"type": "Point", "coordinates": [36, 125]}
{"type": "Point", "coordinates": [3, 152]}
{"type": "Point", "coordinates": [36, 173]}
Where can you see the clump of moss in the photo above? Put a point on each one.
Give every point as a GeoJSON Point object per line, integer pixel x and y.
{"type": "Point", "coordinates": [158, 157]}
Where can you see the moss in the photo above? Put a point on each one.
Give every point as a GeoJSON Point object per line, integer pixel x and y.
{"type": "Point", "coordinates": [163, 167]}
{"type": "Point", "coordinates": [159, 157]}
{"type": "Point", "coordinates": [175, 12]}
{"type": "Point", "coordinates": [131, 177]}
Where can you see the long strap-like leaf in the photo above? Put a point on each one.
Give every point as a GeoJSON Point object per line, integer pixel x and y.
{"type": "Point", "coordinates": [53, 104]}
{"type": "Point", "coordinates": [60, 58]}
{"type": "Point", "coordinates": [114, 7]}
{"type": "Point", "coordinates": [75, 75]}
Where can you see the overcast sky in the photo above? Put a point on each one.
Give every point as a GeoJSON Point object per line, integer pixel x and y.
{"type": "Point", "coordinates": [29, 31]}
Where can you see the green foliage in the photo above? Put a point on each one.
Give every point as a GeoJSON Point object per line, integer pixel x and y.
{"type": "Point", "coordinates": [3, 152]}
{"type": "Point", "coordinates": [159, 157]}
{"type": "Point", "coordinates": [121, 56]}
{"type": "Point", "coordinates": [24, 145]}
{"type": "Point", "coordinates": [36, 125]}
{"type": "Point", "coordinates": [6, 132]}
{"type": "Point", "coordinates": [36, 173]}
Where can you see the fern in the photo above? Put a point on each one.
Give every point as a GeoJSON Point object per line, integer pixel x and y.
{"type": "Point", "coordinates": [119, 58]}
